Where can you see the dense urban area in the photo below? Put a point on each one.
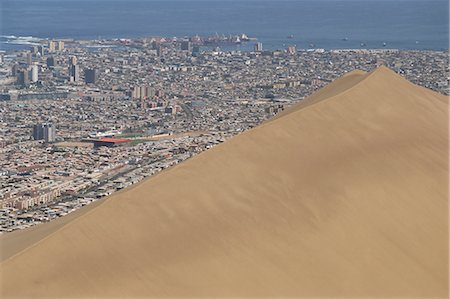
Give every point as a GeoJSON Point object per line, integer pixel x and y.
{"type": "Point", "coordinates": [82, 119]}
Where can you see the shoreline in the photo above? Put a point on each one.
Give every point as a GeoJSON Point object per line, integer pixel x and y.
{"type": "Point", "coordinates": [11, 43]}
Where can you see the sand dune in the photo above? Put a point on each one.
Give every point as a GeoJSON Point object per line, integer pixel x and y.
{"type": "Point", "coordinates": [345, 194]}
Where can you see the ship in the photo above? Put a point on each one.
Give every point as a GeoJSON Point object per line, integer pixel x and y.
{"type": "Point", "coordinates": [244, 37]}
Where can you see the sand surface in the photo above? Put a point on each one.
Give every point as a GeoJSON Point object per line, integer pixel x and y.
{"type": "Point", "coordinates": [14, 242]}
{"type": "Point", "coordinates": [345, 194]}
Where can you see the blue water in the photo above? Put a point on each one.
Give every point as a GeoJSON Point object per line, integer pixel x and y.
{"type": "Point", "coordinates": [403, 24]}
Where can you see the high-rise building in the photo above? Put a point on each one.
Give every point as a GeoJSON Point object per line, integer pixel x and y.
{"type": "Point", "coordinates": [186, 46]}
{"type": "Point", "coordinates": [149, 92]}
{"type": "Point", "coordinates": [291, 50]}
{"type": "Point", "coordinates": [195, 50]}
{"type": "Point", "coordinates": [136, 92]}
{"type": "Point", "coordinates": [49, 132]}
{"type": "Point", "coordinates": [45, 131]}
{"type": "Point", "coordinates": [41, 50]}
{"type": "Point", "coordinates": [29, 58]}
{"type": "Point", "coordinates": [14, 70]}
{"type": "Point", "coordinates": [142, 93]}
{"type": "Point", "coordinates": [74, 73]}
{"type": "Point", "coordinates": [72, 60]}
{"type": "Point", "coordinates": [90, 76]}
{"type": "Point", "coordinates": [34, 73]}
{"type": "Point", "coordinates": [258, 47]}
{"type": "Point", "coordinates": [51, 61]}
{"type": "Point", "coordinates": [158, 50]}
{"type": "Point", "coordinates": [38, 132]}
{"type": "Point", "coordinates": [51, 46]}
{"type": "Point", "coordinates": [23, 78]}
{"type": "Point", "coordinates": [60, 45]}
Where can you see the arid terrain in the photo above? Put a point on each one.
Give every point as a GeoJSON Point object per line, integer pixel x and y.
{"type": "Point", "coordinates": [344, 194]}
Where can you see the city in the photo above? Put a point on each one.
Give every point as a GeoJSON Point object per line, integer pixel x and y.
{"type": "Point", "coordinates": [82, 119]}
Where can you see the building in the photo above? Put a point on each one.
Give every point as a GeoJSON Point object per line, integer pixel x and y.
{"type": "Point", "coordinates": [45, 131]}
{"type": "Point", "coordinates": [23, 78]}
{"type": "Point", "coordinates": [51, 46]}
{"type": "Point", "coordinates": [34, 73]}
{"type": "Point", "coordinates": [72, 60]}
{"type": "Point", "coordinates": [15, 70]}
{"type": "Point", "coordinates": [90, 76]}
{"type": "Point", "coordinates": [38, 132]}
{"type": "Point", "coordinates": [195, 50]}
{"type": "Point", "coordinates": [29, 58]}
{"type": "Point", "coordinates": [74, 73]}
{"type": "Point", "coordinates": [186, 46]}
{"type": "Point", "coordinates": [291, 50]}
{"type": "Point", "coordinates": [158, 50]}
{"type": "Point", "coordinates": [41, 50]}
{"type": "Point", "coordinates": [60, 45]}
{"type": "Point", "coordinates": [110, 142]}
{"type": "Point", "coordinates": [49, 132]}
{"type": "Point", "coordinates": [136, 93]}
{"type": "Point", "coordinates": [143, 92]}
{"type": "Point", "coordinates": [258, 47]}
{"type": "Point", "coordinates": [51, 61]}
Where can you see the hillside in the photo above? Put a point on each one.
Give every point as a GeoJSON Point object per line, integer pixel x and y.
{"type": "Point", "coordinates": [344, 194]}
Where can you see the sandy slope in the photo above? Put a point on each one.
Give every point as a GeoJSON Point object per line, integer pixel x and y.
{"type": "Point", "coordinates": [347, 196]}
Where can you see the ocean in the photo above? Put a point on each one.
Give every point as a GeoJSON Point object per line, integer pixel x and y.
{"type": "Point", "coordinates": [329, 24]}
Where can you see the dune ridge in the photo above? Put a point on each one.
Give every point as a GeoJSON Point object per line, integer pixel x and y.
{"type": "Point", "coordinates": [343, 194]}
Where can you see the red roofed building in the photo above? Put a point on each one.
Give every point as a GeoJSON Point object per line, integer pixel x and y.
{"type": "Point", "coordinates": [110, 142]}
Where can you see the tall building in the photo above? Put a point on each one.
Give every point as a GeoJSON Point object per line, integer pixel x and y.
{"type": "Point", "coordinates": [291, 50]}
{"type": "Point", "coordinates": [34, 49]}
{"type": "Point", "coordinates": [195, 50]}
{"type": "Point", "coordinates": [23, 77]}
{"type": "Point", "coordinates": [258, 47]}
{"type": "Point", "coordinates": [51, 61]}
{"type": "Point", "coordinates": [149, 92]}
{"type": "Point", "coordinates": [49, 132]}
{"type": "Point", "coordinates": [74, 73]}
{"type": "Point", "coordinates": [45, 131]}
{"type": "Point", "coordinates": [51, 46]}
{"type": "Point", "coordinates": [41, 50]}
{"type": "Point", "coordinates": [60, 45]}
{"type": "Point", "coordinates": [72, 60]}
{"type": "Point", "coordinates": [38, 132]}
{"type": "Point", "coordinates": [142, 92]}
{"type": "Point", "coordinates": [136, 94]}
{"type": "Point", "coordinates": [90, 76]}
{"type": "Point", "coordinates": [186, 46]}
{"type": "Point", "coordinates": [34, 73]}
{"type": "Point", "coordinates": [159, 51]}
{"type": "Point", "coordinates": [29, 58]}
{"type": "Point", "coordinates": [14, 70]}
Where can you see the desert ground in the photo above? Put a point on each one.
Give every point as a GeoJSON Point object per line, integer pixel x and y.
{"type": "Point", "coordinates": [344, 194]}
